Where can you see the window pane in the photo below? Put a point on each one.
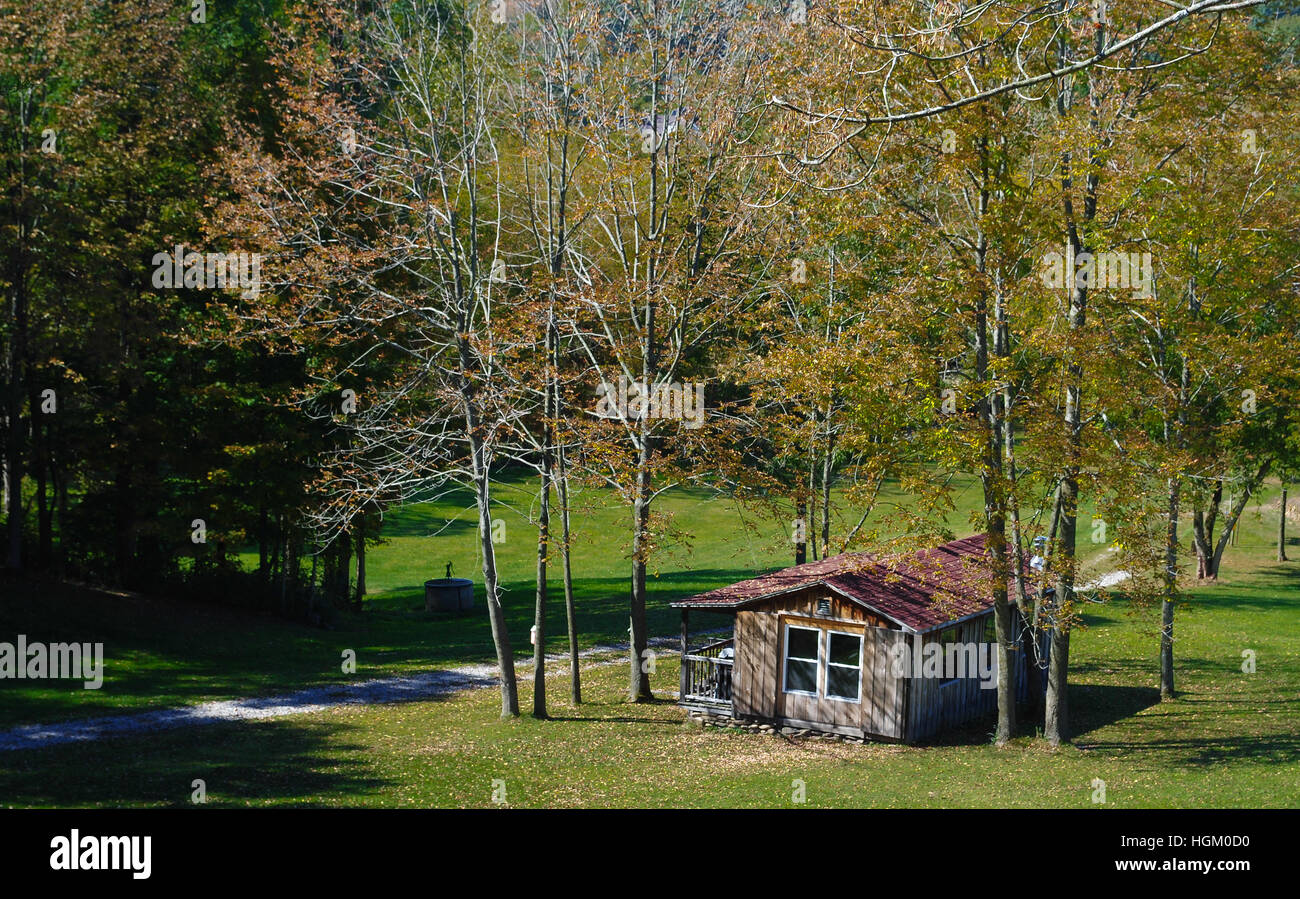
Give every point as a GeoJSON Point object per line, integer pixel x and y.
{"type": "Point", "coordinates": [803, 643]}
{"type": "Point", "coordinates": [801, 676]}
{"type": "Point", "coordinates": [845, 649]}
{"type": "Point", "coordinates": [843, 682]}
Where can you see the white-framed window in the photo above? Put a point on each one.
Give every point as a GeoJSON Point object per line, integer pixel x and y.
{"type": "Point", "coordinates": [843, 666]}
{"type": "Point", "coordinates": [802, 659]}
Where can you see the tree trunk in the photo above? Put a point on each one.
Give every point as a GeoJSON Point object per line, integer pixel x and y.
{"type": "Point", "coordinates": [263, 526]}
{"type": "Point", "coordinates": [639, 686]}
{"type": "Point", "coordinates": [828, 469]}
{"type": "Point", "coordinates": [292, 567]}
{"type": "Point", "coordinates": [1055, 711]}
{"type": "Point", "coordinates": [801, 516]}
{"type": "Point", "coordinates": [496, 615]}
{"type": "Point", "coordinates": [995, 514]}
{"type": "Point", "coordinates": [1056, 720]}
{"type": "Point", "coordinates": [44, 509]}
{"type": "Point", "coordinates": [812, 501]}
{"type": "Point", "coordinates": [344, 574]}
{"type": "Point", "coordinates": [359, 593]}
{"type": "Point", "coordinates": [1281, 529]}
{"type": "Point", "coordinates": [1171, 594]}
{"type": "Point", "coordinates": [544, 527]}
{"type": "Point", "coordinates": [61, 507]}
{"type": "Point", "coordinates": [1029, 633]}
{"type": "Point", "coordinates": [570, 612]}
{"type": "Point", "coordinates": [562, 492]}
{"type": "Point", "coordinates": [1203, 524]}
{"type": "Point", "coordinates": [1210, 563]}
{"type": "Point", "coordinates": [1028, 618]}
{"type": "Point", "coordinates": [539, 611]}
{"type": "Point", "coordinates": [16, 362]}
{"type": "Point", "coordinates": [40, 440]}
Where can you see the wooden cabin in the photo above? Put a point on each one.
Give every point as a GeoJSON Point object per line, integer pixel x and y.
{"type": "Point", "coordinates": [840, 645]}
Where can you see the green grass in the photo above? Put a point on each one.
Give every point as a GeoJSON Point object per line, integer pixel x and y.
{"type": "Point", "coordinates": [160, 653]}
{"type": "Point", "coordinates": [1230, 739]}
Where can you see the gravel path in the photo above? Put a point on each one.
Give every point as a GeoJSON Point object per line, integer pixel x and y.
{"type": "Point", "coordinates": [427, 685]}
{"type": "Point", "coordinates": [1107, 580]}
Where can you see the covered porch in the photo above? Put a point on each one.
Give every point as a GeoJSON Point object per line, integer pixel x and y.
{"type": "Point", "coordinates": [707, 672]}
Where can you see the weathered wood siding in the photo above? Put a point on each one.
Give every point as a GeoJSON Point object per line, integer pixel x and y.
{"type": "Point", "coordinates": [907, 709]}
{"type": "Point", "coordinates": [934, 706]}
{"type": "Point", "coordinates": [883, 712]}
{"type": "Point", "coordinates": [760, 646]}
{"type": "Point", "coordinates": [803, 604]}
{"type": "Point", "coordinates": [754, 684]}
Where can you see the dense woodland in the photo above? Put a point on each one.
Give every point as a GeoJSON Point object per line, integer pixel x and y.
{"type": "Point", "coordinates": [1051, 244]}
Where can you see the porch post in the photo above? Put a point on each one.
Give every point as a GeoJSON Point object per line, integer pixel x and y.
{"type": "Point", "coordinates": [682, 689]}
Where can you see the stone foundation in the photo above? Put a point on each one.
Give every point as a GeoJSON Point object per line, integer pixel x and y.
{"type": "Point", "coordinates": [706, 719]}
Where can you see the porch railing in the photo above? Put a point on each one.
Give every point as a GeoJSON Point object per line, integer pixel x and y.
{"type": "Point", "coordinates": [706, 675]}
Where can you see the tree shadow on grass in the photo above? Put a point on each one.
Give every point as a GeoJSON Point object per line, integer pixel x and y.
{"type": "Point", "coordinates": [1096, 707]}
{"type": "Point", "coordinates": [1274, 587]}
{"type": "Point", "coordinates": [285, 761]}
{"type": "Point", "coordinates": [618, 711]}
{"type": "Point", "coordinates": [601, 605]}
{"type": "Point", "coordinates": [1276, 749]}
{"type": "Point", "coordinates": [1089, 619]}
{"type": "Point", "coordinates": [1146, 669]}
{"type": "Point", "coordinates": [1092, 707]}
{"type": "Point", "coordinates": [181, 653]}
{"type": "Point", "coordinates": [615, 719]}
{"type": "Point", "coordinates": [427, 521]}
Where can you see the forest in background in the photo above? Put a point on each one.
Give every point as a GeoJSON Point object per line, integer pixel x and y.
{"type": "Point", "coordinates": [770, 248]}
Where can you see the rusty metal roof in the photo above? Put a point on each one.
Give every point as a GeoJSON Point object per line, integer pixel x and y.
{"type": "Point", "coordinates": [920, 592]}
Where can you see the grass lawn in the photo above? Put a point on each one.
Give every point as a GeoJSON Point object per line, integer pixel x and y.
{"type": "Point", "coordinates": [160, 653]}
{"type": "Point", "coordinates": [1231, 739]}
